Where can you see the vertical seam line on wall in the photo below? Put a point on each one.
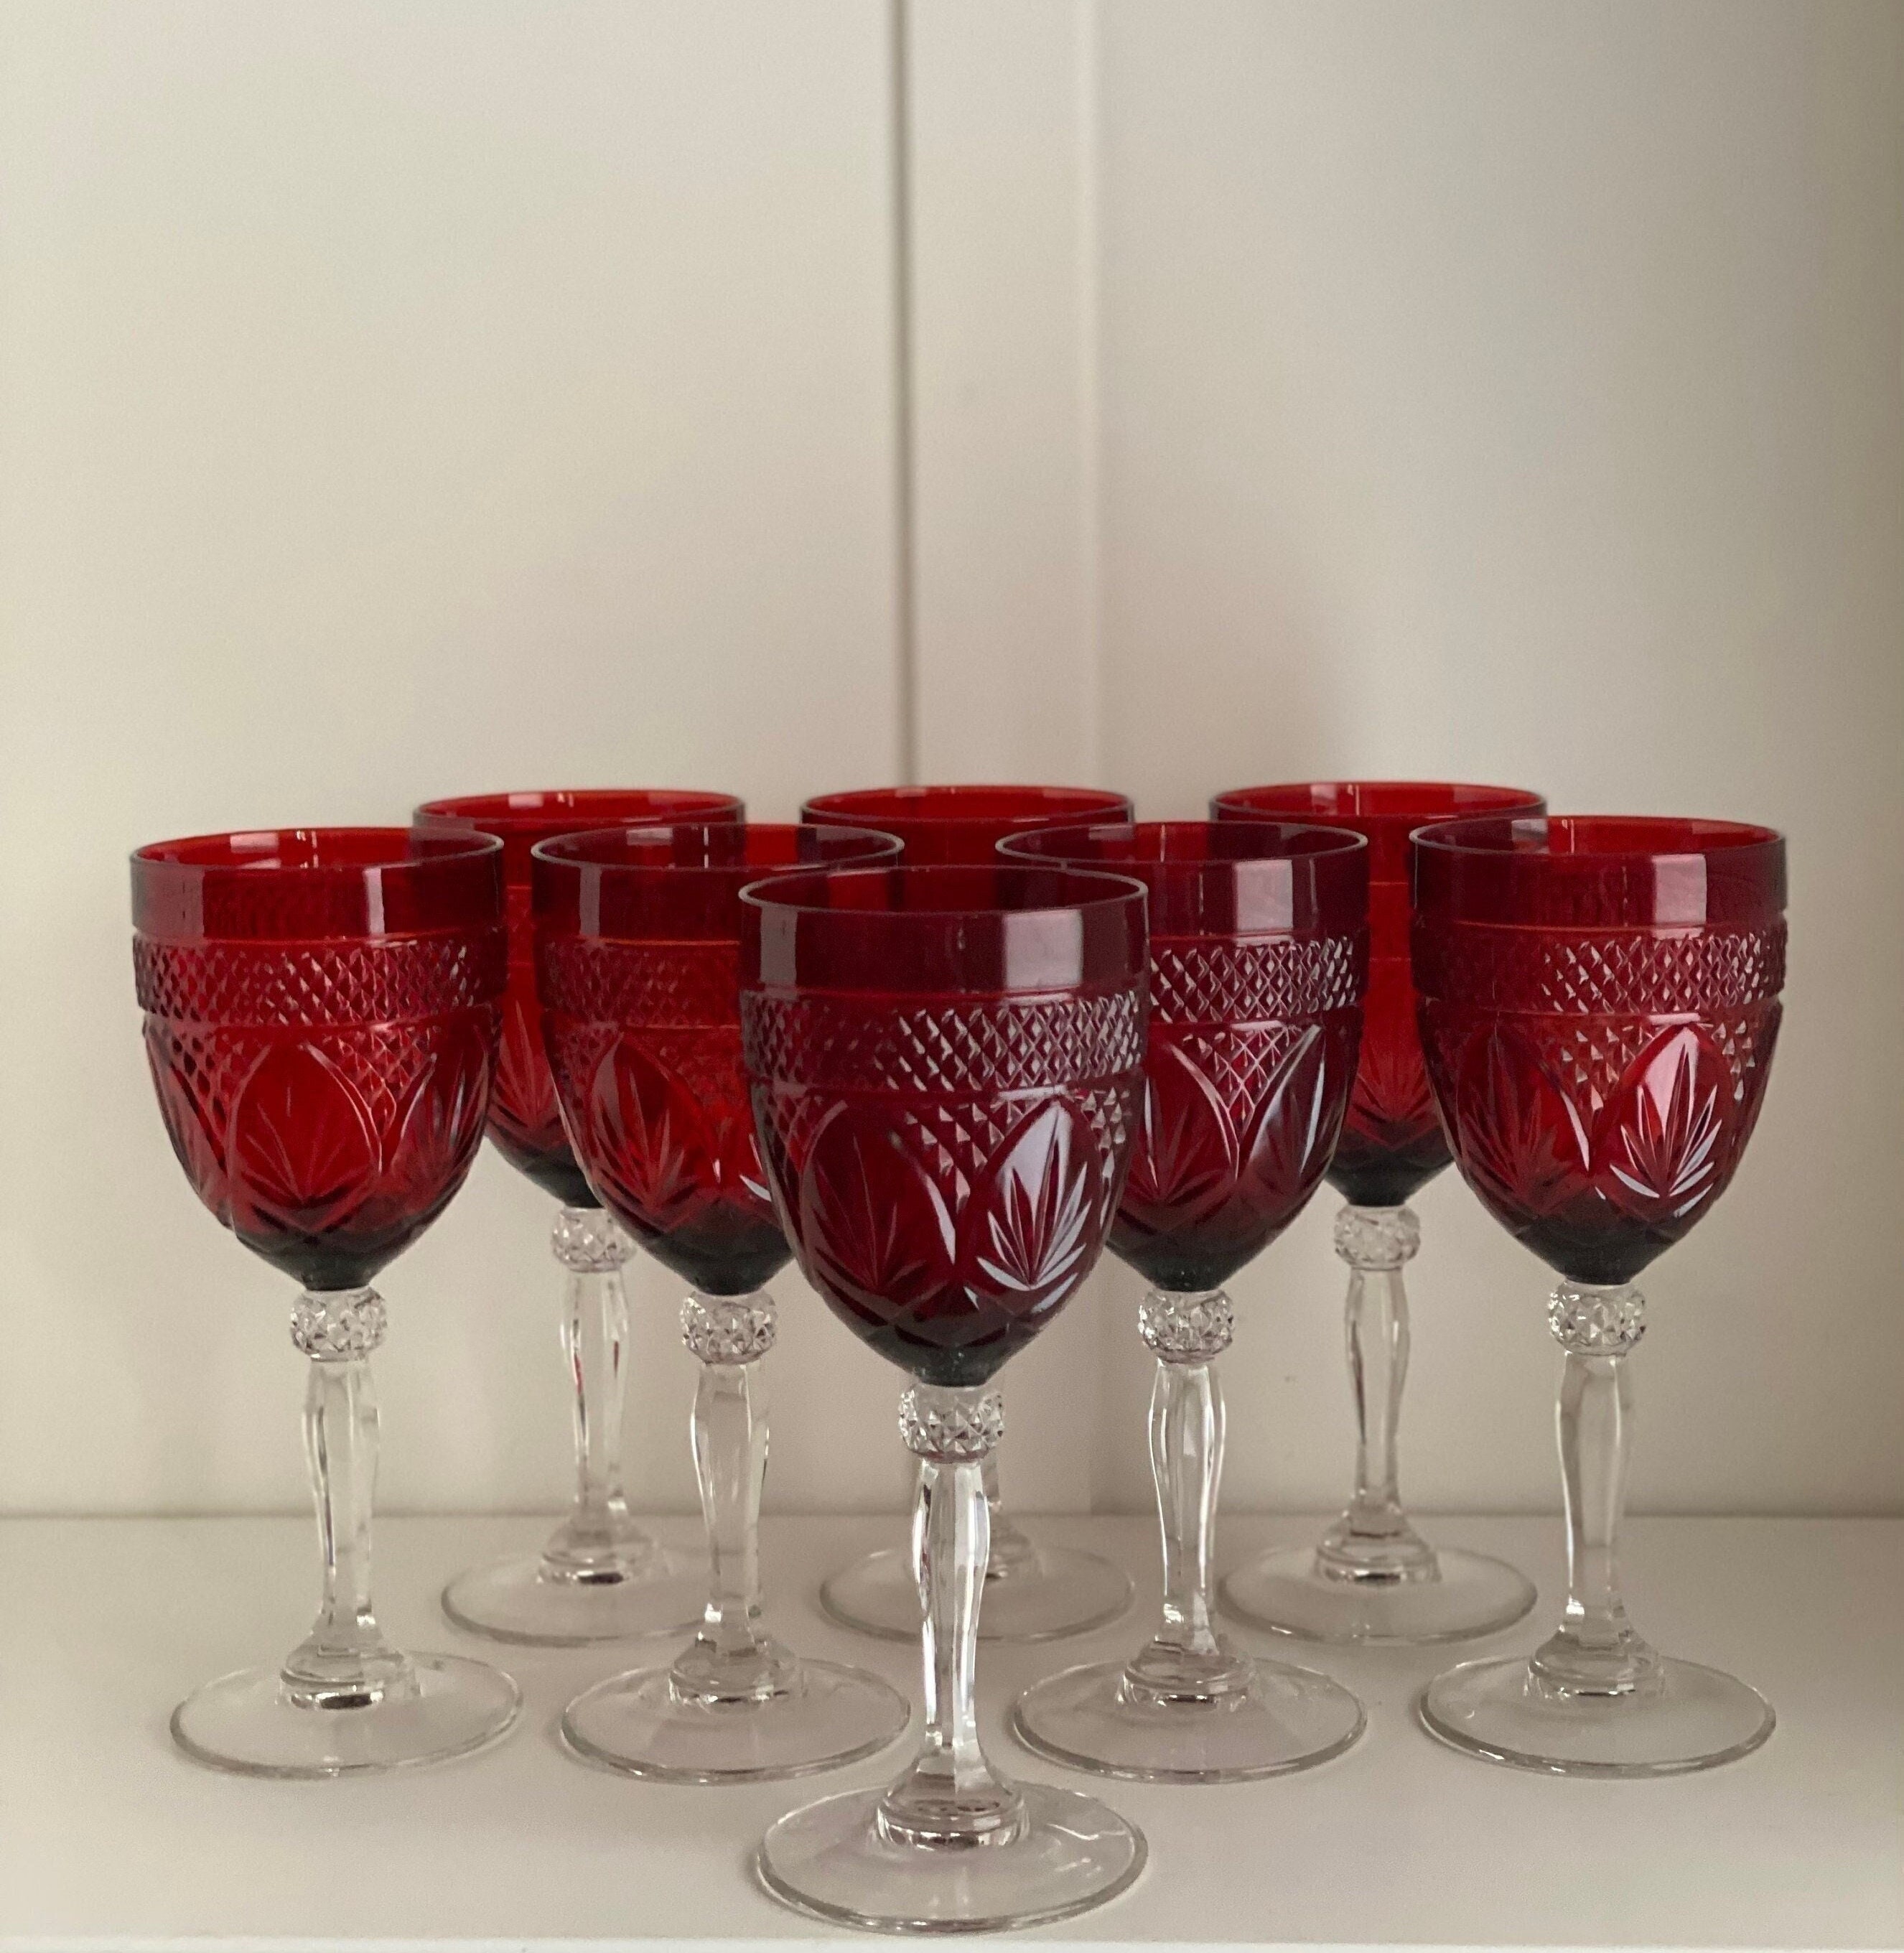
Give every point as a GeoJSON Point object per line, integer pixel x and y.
{"type": "Point", "coordinates": [905, 578]}
{"type": "Point", "coordinates": [1089, 425]}
{"type": "Point", "coordinates": [1099, 1492]}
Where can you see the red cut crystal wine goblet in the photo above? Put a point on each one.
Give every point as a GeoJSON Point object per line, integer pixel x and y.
{"type": "Point", "coordinates": [637, 942]}
{"type": "Point", "coordinates": [321, 1013]}
{"type": "Point", "coordinates": [945, 1066]}
{"type": "Point", "coordinates": [1033, 1592]}
{"type": "Point", "coordinates": [1258, 957]}
{"type": "Point", "coordinates": [1599, 1003]}
{"type": "Point", "coordinates": [1373, 1577]}
{"type": "Point", "coordinates": [600, 1577]}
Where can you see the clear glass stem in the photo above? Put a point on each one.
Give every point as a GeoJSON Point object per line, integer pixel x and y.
{"type": "Point", "coordinates": [597, 1543]}
{"type": "Point", "coordinates": [344, 1662]}
{"type": "Point", "coordinates": [1373, 1540]}
{"type": "Point", "coordinates": [950, 1797]}
{"type": "Point", "coordinates": [1011, 1551]}
{"type": "Point", "coordinates": [731, 1658]}
{"type": "Point", "coordinates": [1186, 1660]}
{"type": "Point", "coordinates": [1595, 1651]}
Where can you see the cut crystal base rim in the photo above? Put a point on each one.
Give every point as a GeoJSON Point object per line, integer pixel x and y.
{"type": "Point", "coordinates": [1696, 1718]}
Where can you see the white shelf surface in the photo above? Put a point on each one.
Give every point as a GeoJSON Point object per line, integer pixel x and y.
{"type": "Point", "coordinates": [108, 1837]}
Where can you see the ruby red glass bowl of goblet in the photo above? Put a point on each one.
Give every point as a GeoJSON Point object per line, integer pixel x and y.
{"type": "Point", "coordinates": [1258, 945]}
{"type": "Point", "coordinates": [944, 1066]}
{"type": "Point", "coordinates": [1599, 1006]}
{"type": "Point", "coordinates": [321, 1009]}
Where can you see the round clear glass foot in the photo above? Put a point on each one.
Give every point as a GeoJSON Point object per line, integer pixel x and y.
{"type": "Point", "coordinates": [826, 1715]}
{"type": "Point", "coordinates": [1683, 1717]}
{"type": "Point", "coordinates": [520, 1599]}
{"type": "Point", "coordinates": [1269, 1719]}
{"type": "Point", "coordinates": [834, 1861]}
{"type": "Point", "coordinates": [1290, 1592]}
{"type": "Point", "coordinates": [444, 1705]}
{"type": "Point", "coordinates": [1059, 1590]}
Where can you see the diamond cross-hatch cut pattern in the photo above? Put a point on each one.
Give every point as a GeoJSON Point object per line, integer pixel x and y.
{"type": "Point", "coordinates": [389, 980]}
{"type": "Point", "coordinates": [1012, 1045]}
{"type": "Point", "coordinates": [641, 982]}
{"type": "Point", "coordinates": [947, 1168]}
{"type": "Point", "coordinates": [1214, 979]}
{"type": "Point", "coordinates": [1657, 972]}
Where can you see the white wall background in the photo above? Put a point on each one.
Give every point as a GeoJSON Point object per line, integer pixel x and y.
{"type": "Point", "coordinates": [404, 400]}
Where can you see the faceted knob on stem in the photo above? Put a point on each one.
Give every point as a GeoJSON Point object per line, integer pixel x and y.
{"type": "Point", "coordinates": [338, 1325]}
{"type": "Point", "coordinates": [587, 1241]}
{"type": "Point", "coordinates": [728, 1329]}
{"type": "Point", "coordinates": [950, 1426]}
{"type": "Point", "coordinates": [1186, 1328]}
{"type": "Point", "coordinates": [1597, 1321]}
{"type": "Point", "coordinates": [1372, 1238]}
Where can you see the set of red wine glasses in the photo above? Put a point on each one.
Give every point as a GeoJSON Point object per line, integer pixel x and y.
{"type": "Point", "coordinates": [942, 1045]}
